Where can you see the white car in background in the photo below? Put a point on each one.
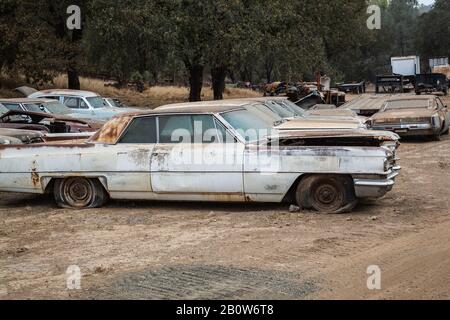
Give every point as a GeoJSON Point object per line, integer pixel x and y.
{"type": "Point", "coordinates": [82, 102]}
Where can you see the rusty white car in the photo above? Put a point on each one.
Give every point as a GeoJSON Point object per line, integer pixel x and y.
{"type": "Point", "coordinates": [208, 153]}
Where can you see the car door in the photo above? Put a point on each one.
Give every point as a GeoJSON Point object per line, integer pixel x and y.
{"type": "Point", "coordinates": [134, 150]}
{"type": "Point", "coordinates": [77, 104]}
{"type": "Point", "coordinates": [194, 161]}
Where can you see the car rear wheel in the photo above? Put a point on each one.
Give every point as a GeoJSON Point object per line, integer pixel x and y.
{"type": "Point", "coordinates": [327, 193]}
{"type": "Point", "coordinates": [79, 193]}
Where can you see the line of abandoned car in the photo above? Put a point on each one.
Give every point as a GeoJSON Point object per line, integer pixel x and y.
{"type": "Point", "coordinates": [266, 149]}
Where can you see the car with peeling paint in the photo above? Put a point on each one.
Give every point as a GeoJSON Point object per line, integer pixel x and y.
{"type": "Point", "coordinates": [50, 106]}
{"type": "Point", "coordinates": [45, 122]}
{"type": "Point", "coordinates": [413, 116]}
{"type": "Point", "coordinates": [206, 153]}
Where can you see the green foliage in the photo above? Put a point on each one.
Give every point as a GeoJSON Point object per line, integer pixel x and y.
{"type": "Point", "coordinates": [250, 40]}
{"type": "Point", "coordinates": [434, 30]}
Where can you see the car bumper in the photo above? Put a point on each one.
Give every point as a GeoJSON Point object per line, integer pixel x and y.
{"type": "Point", "coordinates": [419, 129]}
{"type": "Point", "coordinates": [376, 188]}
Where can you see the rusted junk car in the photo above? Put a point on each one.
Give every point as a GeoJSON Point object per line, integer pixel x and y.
{"type": "Point", "coordinates": [205, 154]}
{"type": "Point", "coordinates": [413, 116]}
{"type": "Point", "coordinates": [45, 122]}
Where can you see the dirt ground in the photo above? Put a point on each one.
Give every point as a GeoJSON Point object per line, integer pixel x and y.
{"type": "Point", "coordinates": [158, 250]}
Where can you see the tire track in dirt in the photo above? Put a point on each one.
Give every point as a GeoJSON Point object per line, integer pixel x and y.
{"type": "Point", "coordinates": [204, 282]}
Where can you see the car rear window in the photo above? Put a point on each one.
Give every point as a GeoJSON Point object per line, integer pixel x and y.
{"type": "Point", "coordinates": [141, 130]}
{"type": "Point", "coordinates": [404, 104]}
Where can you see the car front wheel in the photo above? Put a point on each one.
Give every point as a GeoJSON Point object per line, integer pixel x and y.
{"type": "Point", "coordinates": [79, 193]}
{"type": "Point", "coordinates": [327, 193]}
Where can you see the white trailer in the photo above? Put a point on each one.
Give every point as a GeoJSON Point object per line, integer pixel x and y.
{"type": "Point", "coordinates": [406, 66]}
{"type": "Point", "coordinates": [438, 62]}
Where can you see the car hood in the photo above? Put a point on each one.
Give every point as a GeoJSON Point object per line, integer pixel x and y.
{"type": "Point", "coordinates": [334, 138]}
{"type": "Point", "coordinates": [377, 134]}
{"type": "Point", "coordinates": [319, 124]}
{"type": "Point", "coordinates": [404, 113]}
{"type": "Point", "coordinates": [332, 112]}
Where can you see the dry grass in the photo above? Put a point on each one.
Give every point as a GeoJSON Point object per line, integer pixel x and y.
{"type": "Point", "coordinates": [153, 96]}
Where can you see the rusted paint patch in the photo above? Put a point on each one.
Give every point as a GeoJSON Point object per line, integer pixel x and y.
{"type": "Point", "coordinates": [34, 175]}
{"type": "Point", "coordinates": [112, 130]}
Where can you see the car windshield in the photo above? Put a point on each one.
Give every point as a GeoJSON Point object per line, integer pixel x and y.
{"type": "Point", "coordinates": [112, 103]}
{"type": "Point", "coordinates": [96, 102]}
{"type": "Point", "coordinates": [281, 110]}
{"type": "Point", "coordinates": [293, 107]}
{"type": "Point", "coordinates": [406, 104]}
{"type": "Point", "coordinates": [250, 125]}
{"type": "Point", "coordinates": [56, 108]}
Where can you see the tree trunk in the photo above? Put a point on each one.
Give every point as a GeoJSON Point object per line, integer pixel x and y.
{"type": "Point", "coordinates": [73, 79]}
{"type": "Point", "coordinates": [195, 81]}
{"type": "Point", "coordinates": [72, 70]}
{"type": "Point", "coordinates": [218, 75]}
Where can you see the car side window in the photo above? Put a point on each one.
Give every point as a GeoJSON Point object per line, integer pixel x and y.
{"type": "Point", "coordinates": [140, 130]}
{"type": "Point", "coordinates": [50, 97]}
{"type": "Point", "coordinates": [13, 106]}
{"type": "Point", "coordinates": [175, 129]}
{"type": "Point", "coordinates": [188, 129]}
{"type": "Point", "coordinates": [72, 102]}
{"type": "Point", "coordinates": [83, 104]}
{"type": "Point", "coordinates": [32, 107]}
{"type": "Point", "coordinates": [204, 129]}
